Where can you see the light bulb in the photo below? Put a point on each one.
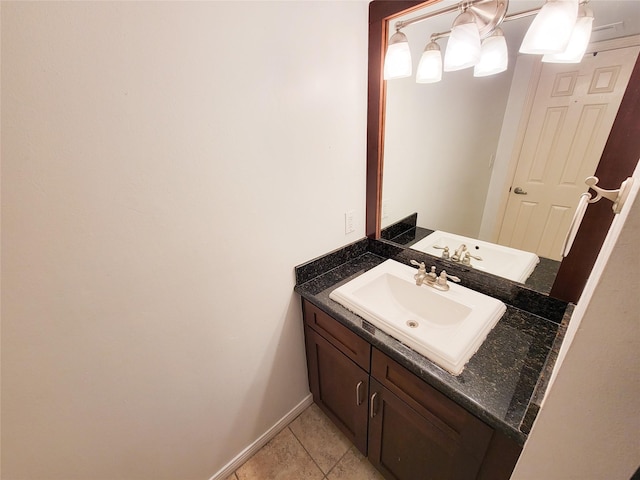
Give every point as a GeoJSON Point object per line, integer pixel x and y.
{"type": "Point", "coordinates": [397, 61]}
{"type": "Point", "coordinates": [430, 66]}
{"type": "Point", "coordinates": [578, 42]}
{"type": "Point", "coordinates": [463, 47]}
{"type": "Point", "coordinates": [551, 28]}
{"type": "Point", "coordinates": [494, 57]}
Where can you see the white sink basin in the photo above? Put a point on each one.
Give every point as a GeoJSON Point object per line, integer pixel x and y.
{"type": "Point", "coordinates": [499, 260]}
{"type": "Point", "coordinates": [446, 327]}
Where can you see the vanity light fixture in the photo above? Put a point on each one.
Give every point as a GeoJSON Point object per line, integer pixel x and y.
{"type": "Point", "coordinates": [578, 42]}
{"type": "Point", "coordinates": [463, 48]}
{"type": "Point", "coordinates": [430, 66]}
{"type": "Point", "coordinates": [551, 29]}
{"type": "Point", "coordinates": [560, 31]}
{"type": "Point", "coordinates": [494, 57]}
{"type": "Point", "coordinates": [397, 61]}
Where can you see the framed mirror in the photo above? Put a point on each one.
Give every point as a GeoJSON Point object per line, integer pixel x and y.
{"type": "Point", "coordinates": [445, 187]}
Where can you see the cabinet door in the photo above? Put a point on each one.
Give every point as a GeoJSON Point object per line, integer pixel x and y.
{"type": "Point", "coordinates": [339, 387]}
{"type": "Point", "coordinates": [404, 445]}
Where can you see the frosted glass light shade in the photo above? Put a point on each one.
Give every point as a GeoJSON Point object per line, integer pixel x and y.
{"type": "Point", "coordinates": [578, 42]}
{"type": "Point", "coordinates": [463, 48]}
{"type": "Point", "coordinates": [397, 61]}
{"type": "Point", "coordinates": [430, 66]}
{"type": "Point", "coordinates": [551, 28]}
{"type": "Point", "coordinates": [494, 57]}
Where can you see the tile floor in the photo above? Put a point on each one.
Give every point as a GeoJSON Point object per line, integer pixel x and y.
{"type": "Point", "coordinates": [310, 447]}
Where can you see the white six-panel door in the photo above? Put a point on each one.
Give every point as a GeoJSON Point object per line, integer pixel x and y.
{"type": "Point", "coordinates": [572, 113]}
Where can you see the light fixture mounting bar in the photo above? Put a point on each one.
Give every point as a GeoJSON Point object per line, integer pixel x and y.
{"type": "Point", "coordinates": [488, 14]}
{"type": "Point", "coordinates": [438, 36]}
{"type": "Point", "coordinates": [523, 14]}
{"type": "Point", "coordinates": [483, 10]}
{"type": "Point", "coordinates": [405, 23]}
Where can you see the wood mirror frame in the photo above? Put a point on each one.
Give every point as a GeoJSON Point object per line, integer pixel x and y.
{"type": "Point", "coordinates": [618, 161]}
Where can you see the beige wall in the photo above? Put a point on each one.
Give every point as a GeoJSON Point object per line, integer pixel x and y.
{"type": "Point", "coordinates": [153, 206]}
{"type": "Point", "coordinates": [164, 167]}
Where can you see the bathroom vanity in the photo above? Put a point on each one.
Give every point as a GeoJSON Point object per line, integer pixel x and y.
{"type": "Point", "coordinates": [411, 418]}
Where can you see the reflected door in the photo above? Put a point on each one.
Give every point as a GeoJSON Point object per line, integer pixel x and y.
{"type": "Point", "coordinates": [573, 111]}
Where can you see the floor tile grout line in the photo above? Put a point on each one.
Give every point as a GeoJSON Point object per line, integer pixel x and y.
{"type": "Point", "coordinates": [309, 453]}
{"type": "Point", "coordinates": [335, 464]}
{"type": "Point", "coordinates": [339, 460]}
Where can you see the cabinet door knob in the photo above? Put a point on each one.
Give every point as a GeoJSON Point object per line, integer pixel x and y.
{"type": "Point", "coordinates": [358, 396]}
{"type": "Point", "coordinates": [372, 405]}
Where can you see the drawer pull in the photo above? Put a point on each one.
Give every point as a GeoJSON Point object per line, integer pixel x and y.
{"type": "Point", "coordinates": [372, 405]}
{"type": "Point", "coordinates": [358, 396]}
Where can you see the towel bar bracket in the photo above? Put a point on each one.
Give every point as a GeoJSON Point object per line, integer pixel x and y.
{"type": "Point", "coordinates": [618, 196]}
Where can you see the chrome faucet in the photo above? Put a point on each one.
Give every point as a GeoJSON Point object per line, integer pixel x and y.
{"type": "Point", "coordinates": [422, 276]}
{"type": "Point", "coordinates": [431, 279]}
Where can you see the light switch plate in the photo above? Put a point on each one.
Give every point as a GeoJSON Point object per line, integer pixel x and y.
{"type": "Point", "coordinates": [349, 222]}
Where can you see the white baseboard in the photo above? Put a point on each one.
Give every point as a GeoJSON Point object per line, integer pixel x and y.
{"type": "Point", "coordinates": [248, 452]}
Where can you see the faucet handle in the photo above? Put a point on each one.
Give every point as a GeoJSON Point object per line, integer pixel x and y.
{"type": "Point", "coordinates": [445, 276]}
{"type": "Point", "coordinates": [422, 272]}
{"type": "Point", "coordinates": [441, 282]}
{"type": "Point", "coordinates": [420, 265]}
{"type": "Point", "coordinates": [445, 250]}
{"type": "Point", "coordinates": [467, 258]}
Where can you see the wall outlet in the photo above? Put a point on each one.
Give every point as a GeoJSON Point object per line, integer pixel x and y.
{"type": "Point", "coordinates": [349, 222]}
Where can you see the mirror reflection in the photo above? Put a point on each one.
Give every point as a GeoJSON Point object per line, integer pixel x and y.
{"type": "Point", "coordinates": [497, 163]}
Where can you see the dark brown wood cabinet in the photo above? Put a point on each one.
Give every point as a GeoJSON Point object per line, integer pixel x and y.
{"type": "Point", "coordinates": [417, 432]}
{"type": "Point", "coordinates": [339, 387]}
{"type": "Point", "coordinates": [408, 429]}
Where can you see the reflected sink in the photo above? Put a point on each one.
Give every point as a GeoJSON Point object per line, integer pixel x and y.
{"type": "Point", "coordinates": [505, 262]}
{"type": "Point", "coordinates": [446, 327]}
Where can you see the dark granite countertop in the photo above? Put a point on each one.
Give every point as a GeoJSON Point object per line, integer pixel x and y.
{"type": "Point", "coordinates": [503, 383]}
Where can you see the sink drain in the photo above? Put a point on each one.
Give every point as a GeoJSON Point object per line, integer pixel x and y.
{"type": "Point", "coordinates": [412, 323]}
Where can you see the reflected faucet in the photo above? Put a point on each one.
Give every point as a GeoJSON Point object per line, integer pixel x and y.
{"type": "Point", "coordinates": [461, 255]}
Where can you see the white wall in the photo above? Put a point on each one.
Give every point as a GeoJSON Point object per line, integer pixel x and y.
{"type": "Point", "coordinates": [589, 423]}
{"type": "Point", "coordinates": [164, 167]}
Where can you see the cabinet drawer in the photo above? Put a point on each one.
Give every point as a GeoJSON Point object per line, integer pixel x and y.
{"type": "Point", "coordinates": [430, 403]}
{"type": "Point", "coordinates": [341, 337]}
